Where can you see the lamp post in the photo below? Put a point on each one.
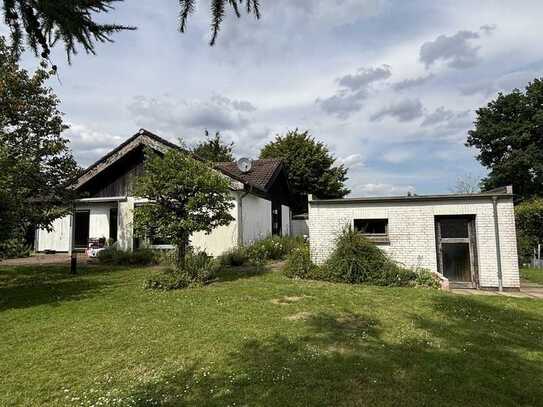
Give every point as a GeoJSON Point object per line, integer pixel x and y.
{"type": "Point", "coordinates": [73, 254]}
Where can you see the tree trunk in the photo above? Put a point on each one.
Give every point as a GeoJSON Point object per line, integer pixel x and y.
{"type": "Point", "coordinates": [182, 244]}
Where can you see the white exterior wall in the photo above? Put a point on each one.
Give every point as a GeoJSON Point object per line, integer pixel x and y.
{"type": "Point", "coordinates": [257, 218]}
{"type": "Point", "coordinates": [58, 239]}
{"type": "Point", "coordinates": [221, 238]}
{"type": "Point", "coordinates": [285, 220]}
{"type": "Point", "coordinates": [411, 231]}
{"type": "Point", "coordinates": [257, 224]}
{"type": "Point", "coordinates": [125, 232]}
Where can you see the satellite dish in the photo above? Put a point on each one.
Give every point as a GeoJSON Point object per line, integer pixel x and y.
{"type": "Point", "coordinates": [244, 164]}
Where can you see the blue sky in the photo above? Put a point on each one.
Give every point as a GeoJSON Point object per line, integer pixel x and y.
{"type": "Point", "coordinates": [390, 86]}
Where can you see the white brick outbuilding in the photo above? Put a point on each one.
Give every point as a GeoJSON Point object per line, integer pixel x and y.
{"type": "Point", "coordinates": [470, 239]}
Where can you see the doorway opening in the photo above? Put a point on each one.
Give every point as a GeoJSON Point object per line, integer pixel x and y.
{"type": "Point", "coordinates": [81, 229]}
{"type": "Point", "coordinates": [457, 250]}
{"type": "Point", "coordinates": [276, 218]}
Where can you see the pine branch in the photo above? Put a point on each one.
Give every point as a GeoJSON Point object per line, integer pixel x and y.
{"type": "Point", "coordinates": [187, 8]}
{"type": "Point", "coordinates": [217, 15]}
{"type": "Point", "coordinates": [48, 21]}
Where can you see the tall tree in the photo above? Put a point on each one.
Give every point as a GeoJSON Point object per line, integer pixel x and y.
{"type": "Point", "coordinates": [36, 164]}
{"type": "Point", "coordinates": [214, 149]}
{"type": "Point", "coordinates": [186, 196]}
{"type": "Point", "coordinates": [509, 136]}
{"type": "Point", "coordinates": [310, 167]}
{"type": "Point", "coordinates": [74, 22]}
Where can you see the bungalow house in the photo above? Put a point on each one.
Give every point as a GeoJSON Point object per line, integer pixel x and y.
{"type": "Point", "coordinates": [468, 238]}
{"type": "Point", "coordinates": [259, 191]}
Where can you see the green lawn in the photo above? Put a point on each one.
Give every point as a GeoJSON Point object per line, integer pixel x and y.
{"type": "Point", "coordinates": [532, 275]}
{"type": "Point", "coordinates": [264, 340]}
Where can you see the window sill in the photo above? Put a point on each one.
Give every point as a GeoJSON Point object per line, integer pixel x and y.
{"type": "Point", "coordinates": [384, 240]}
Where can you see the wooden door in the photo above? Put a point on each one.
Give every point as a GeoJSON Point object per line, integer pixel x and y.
{"type": "Point", "coordinates": [456, 250]}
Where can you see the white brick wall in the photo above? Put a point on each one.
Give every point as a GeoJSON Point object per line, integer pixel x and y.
{"type": "Point", "coordinates": [412, 232]}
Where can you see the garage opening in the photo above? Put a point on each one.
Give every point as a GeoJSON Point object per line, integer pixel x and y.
{"type": "Point", "coordinates": [456, 249]}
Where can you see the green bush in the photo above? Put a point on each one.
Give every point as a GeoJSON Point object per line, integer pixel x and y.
{"type": "Point", "coordinates": [234, 257]}
{"type": "Point", "coordinates": [529, 223]}
{"type": "Point", "coordinates": [299, 264]}
{"type": "Point", "coordinates": [393, 275]}
{"type": "Point", "coordinates": [199, 269]}
{"type": "Point", "coordinates": [358, 260]}
{"type": "Point", "coordinates": [274, 247]}
{"type": "Point", "coordinates": [139, 257]}
{"type": "Point", "coordinates": [425, 278]}
{"type": "Point", "coordinates": [257, 253]}
{"type": "Point", "coordinates": [14, 248]}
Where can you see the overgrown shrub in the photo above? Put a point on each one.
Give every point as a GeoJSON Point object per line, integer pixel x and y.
{"type": "Point", "coordinates": [14, 248]}
{"type": "Point", "coordinates": [299, 264]}
{"type": "Point", "coordinates": [358, 260]}
{"type": "Point", "coordinates": [529, 223]}
{"type": "Point", "coordinates": [257, 253]}
{"type": "Point", "coordinates": [199, 269]}
{"type": "Point", "coordinates": [234, 257]}
{"type": "Point", "coordinates": [425, 278]}
{"type": "Point", "coordinates": [139, 257]}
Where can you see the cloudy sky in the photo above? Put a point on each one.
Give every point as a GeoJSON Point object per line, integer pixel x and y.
{"type": "Point", "coordinates": [391, 86]}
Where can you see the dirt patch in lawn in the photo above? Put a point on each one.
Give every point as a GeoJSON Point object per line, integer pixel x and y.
{"type": "Point", "coordinates": [287, 300]}
{"type": "Point", "coordinates": [300, 316]}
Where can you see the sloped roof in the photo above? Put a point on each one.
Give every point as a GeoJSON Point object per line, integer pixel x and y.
{"type": "Point", "coordinates": [261, 175]}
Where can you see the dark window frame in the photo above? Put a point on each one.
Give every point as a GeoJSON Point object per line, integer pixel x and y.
{"type": "Point", "coordinates": [376, 237]}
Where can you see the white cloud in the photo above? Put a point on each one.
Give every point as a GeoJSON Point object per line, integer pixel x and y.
{"type": "Point", "coordinates": [457, 50]}
{"type": "Point", "coordinates": [364, 77]}
{"type": "Point", "coordinates": [405, 110]}
{"type": "Point", "coordinates": [172, 115]}
{"type": "Point", "coordinates": [89, 144]}
{"type": "Point", "coordinates": [412, 83]}
{"type": "Point", "coordinates": [351, 161]}
{"type": "Point", "coordinates": [398, 156]}
{"type": "Point", "coordinates": [354, 88]}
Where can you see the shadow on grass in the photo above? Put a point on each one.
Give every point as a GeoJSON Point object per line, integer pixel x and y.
{"type": "Point", "coordinates": [22, 287]}
{"type": "Point", "coordinates": [230, 273]}
{"type": "Point", "coordinates": [467, 352]}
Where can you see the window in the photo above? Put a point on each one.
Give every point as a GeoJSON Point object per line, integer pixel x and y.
{"type": "Point", "coordinates": [371, 226]}
{"type": "Point", "coordinates": [374, 229]}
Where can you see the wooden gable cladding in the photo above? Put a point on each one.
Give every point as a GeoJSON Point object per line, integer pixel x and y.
{"type": "Point", "coordinates": [118, 179]}
{"type": "Point", "coordinates": [114, 174]}
{"type": "Point", "coordinates": [142, 138]}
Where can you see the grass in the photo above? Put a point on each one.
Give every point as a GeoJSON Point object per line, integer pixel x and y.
{"type": "Point", "coordinates": [260, 339]}
{"type": "Point", "coordinates": [533, 275]}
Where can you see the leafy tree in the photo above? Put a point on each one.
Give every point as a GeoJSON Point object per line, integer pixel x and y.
{"type": "Point", "coordinates": [74, 22]}
{"type": "Point", "coordinates": [36, 164]}
{"type": "Point", "coordinates": [310, 167]}
{"type": "Point", "coordinates": [529, 222]}
{"type": "Point", "coordinates": [509, 136]}
{"type": "Point", "coordinates": [186, 196]}
{"type": "Point", "coordinates": [214, 150]}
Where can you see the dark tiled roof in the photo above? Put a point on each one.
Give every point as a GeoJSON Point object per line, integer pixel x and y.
{"type": "Point", "coordinates": [261, 175]}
